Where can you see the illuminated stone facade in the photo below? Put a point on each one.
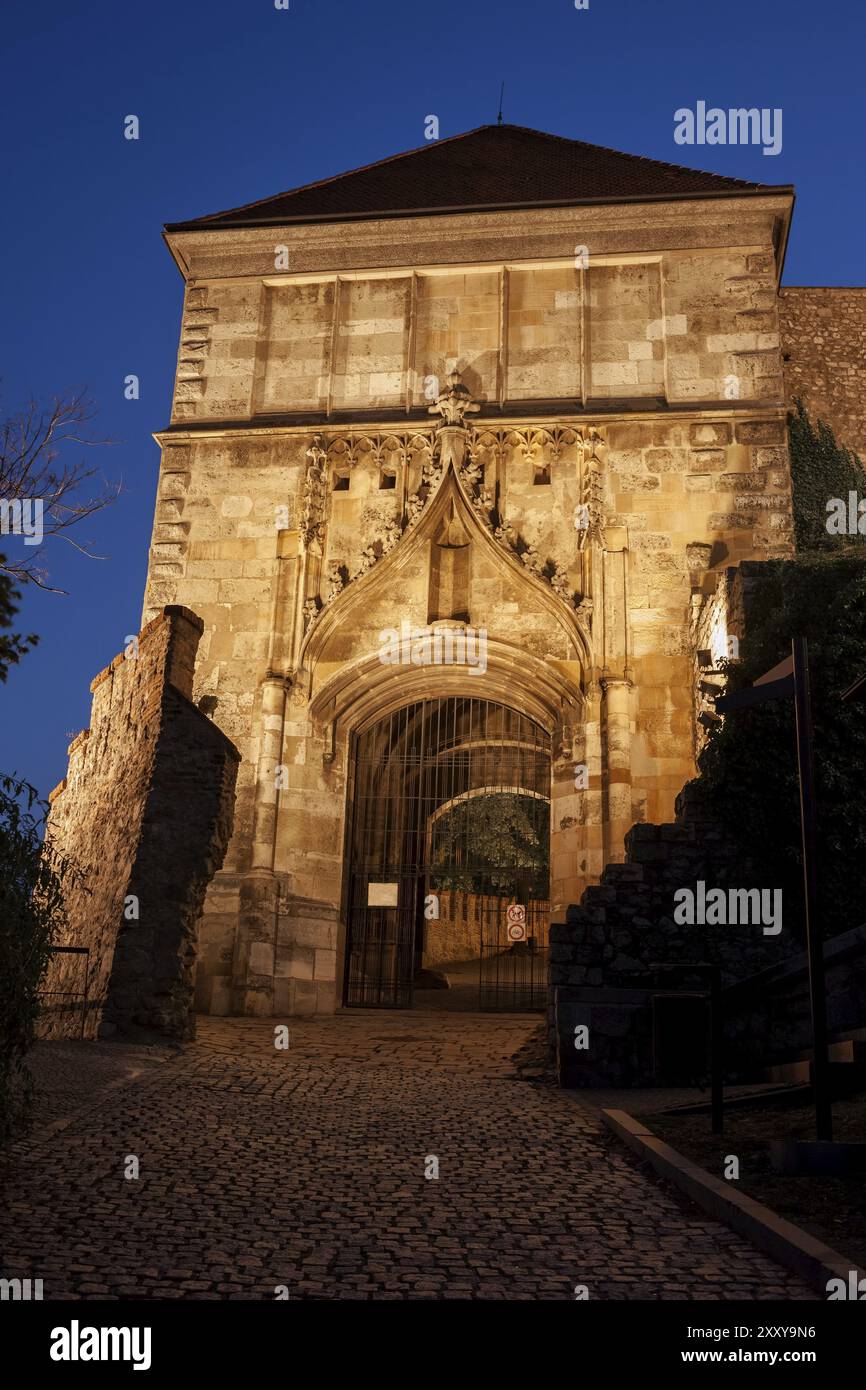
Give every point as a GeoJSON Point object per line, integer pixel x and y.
{"type": "Point", "coordinates": [556, 425]}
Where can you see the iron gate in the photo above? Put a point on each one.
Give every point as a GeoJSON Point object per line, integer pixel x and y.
{"type": "Point", "coordinates": [451, 802]}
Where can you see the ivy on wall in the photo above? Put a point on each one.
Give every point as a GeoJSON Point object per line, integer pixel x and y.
{"type": "Point", "coordinates": [748, 768]}
{"type": "Point", "coordinates": [821, 470]}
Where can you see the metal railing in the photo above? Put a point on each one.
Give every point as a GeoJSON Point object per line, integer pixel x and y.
{"type": "Point", "coordinates": [58, 1013]}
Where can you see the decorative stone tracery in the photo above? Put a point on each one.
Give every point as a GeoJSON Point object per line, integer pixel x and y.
{"type": "Point", "coordinates": [422, 457]}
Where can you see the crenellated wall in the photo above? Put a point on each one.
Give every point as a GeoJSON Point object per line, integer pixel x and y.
{"type": "Point", "coordinates": [144, 814]}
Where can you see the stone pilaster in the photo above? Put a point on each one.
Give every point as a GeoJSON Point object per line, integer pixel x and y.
{"type": "Point", "coordinates": [272, 720]}
{"type": "Point", "coordinates": [616, 721]}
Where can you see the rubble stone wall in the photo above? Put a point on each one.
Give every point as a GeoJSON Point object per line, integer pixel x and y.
{"type": "Point", "coordinates": [145, 813]}
{"type": "Point", "coordinates": [824, 355]}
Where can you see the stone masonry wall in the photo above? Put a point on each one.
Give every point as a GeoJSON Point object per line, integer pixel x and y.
{"type": "Point", "coordinates": [145, 812]}
{"type": "Point", "coordinates": [682, 325]}
{"type": "Point", "coordinates": [642, 382]}
{"type": "Point", "coordinates": [624, 927]}
{"type": "Point", "coordinates": [824, 354]}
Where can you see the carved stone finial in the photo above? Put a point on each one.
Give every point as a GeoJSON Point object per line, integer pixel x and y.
{"type": "Point", "coordinates": [455, 403]}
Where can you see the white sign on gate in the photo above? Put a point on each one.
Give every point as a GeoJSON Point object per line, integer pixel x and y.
{"type": "Point", "coordinates": [383, 894]}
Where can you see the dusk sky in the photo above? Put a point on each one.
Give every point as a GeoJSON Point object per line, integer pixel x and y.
{"type": "Point", "coordinates": [237, 101]}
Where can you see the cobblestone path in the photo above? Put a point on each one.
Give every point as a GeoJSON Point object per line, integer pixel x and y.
{"type": "Point", "coordinates": [305, 1168]}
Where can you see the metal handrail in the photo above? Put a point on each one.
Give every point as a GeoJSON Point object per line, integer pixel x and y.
{"type": "Point", "coordinates": [71, 993]}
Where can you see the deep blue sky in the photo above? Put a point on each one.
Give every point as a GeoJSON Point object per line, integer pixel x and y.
{"type": "Point", "coordinates": [238, 100]}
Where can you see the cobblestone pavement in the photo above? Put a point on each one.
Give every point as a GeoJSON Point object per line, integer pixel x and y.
{"type": "Point", "coordinates": [71, 1075]}
{"type": "Point", "coordinates": [305, 1168]}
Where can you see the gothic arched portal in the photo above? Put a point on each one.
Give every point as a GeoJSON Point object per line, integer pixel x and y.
{"type": "Point", "coordinates": [449, 825]}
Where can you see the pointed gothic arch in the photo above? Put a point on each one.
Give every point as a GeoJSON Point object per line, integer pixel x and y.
{"type": "Point", "coordinates": [449, 507]}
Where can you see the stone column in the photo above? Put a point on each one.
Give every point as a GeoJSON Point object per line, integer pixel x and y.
{"type": "Point", "coordinates": [256, 941]}
{"type": "Point", "coordinates": [617, 749]}
{"type": "Point", "coordinates": [271, 722]}
{"type": "Point", "coordinates": [592, 864]}
{"type": "Point", "coordinates": [616, 684]}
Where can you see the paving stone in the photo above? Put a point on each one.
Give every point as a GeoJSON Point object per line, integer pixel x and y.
{"type": "Point", "coordinates": [305, 1168]}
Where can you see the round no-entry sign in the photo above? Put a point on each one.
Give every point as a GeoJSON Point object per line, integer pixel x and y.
{"type": "Point", "coordinates": [516, 918]}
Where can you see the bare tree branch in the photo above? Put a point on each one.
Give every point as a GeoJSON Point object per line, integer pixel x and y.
{"type": "Point", "coordinates": [32, 473]}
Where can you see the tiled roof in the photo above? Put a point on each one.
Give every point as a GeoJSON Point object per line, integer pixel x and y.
{"type": "Point", "coordinates": [494, 166]}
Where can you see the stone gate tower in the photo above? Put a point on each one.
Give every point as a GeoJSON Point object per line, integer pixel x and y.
{"type": "Point", "coordinates": [508, 384]}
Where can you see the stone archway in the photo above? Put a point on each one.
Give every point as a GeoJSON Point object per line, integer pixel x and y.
{"type": "Point", "coordinates": [448, 823]}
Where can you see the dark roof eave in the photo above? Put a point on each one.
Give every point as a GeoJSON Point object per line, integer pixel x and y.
{"type": "Point", "coordinates": [206, 225]}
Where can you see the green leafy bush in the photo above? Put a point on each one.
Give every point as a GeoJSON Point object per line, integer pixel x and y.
{"type": "Point", "coordinates": [31, 915]}
{"type": "Point", "coordinates": [12, 645]}
{"type": "Point", "coordinates": [493, 844]}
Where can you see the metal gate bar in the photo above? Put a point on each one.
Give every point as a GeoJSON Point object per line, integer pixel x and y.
{"type": "Point", "coordinates": [424, 775]}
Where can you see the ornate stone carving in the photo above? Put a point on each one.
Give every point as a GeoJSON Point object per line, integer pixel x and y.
{"type": "Point", "coordinates": [560, 585]}
{"type": "Point", "coordinates": [471, 471]}
{"type": "Point", "coordinates": [564, 739]}
{"type": "Point", "coordinates": [311, 612]}
{"type": "Point", "coordinates": [453, 441]}
{"type": "Point", "coordinates": [390, 534]}
{"type": "Point", "coordinates": [455, 403]}
{"type": "Point", "coordinates": [385, 531]}
{"type": "Point", "coordinates": [541, 447]}
{"type": "Point", "coordinates": [315, 495]}
{"type": "Point", "coordinates": [337, 580]}
{"type": "Point", "coordinates": [592, 490]}
{"type": "Point", "coordinates": [584, 611]}
{"type": "Point", "coordinates": [387, 451]}
{"type": "Point", "coordinates": [532, 559]}
{"type": "Point", "coordinates": [431, 474]}
{"type": "Point", "coordinates": [298, 694]}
